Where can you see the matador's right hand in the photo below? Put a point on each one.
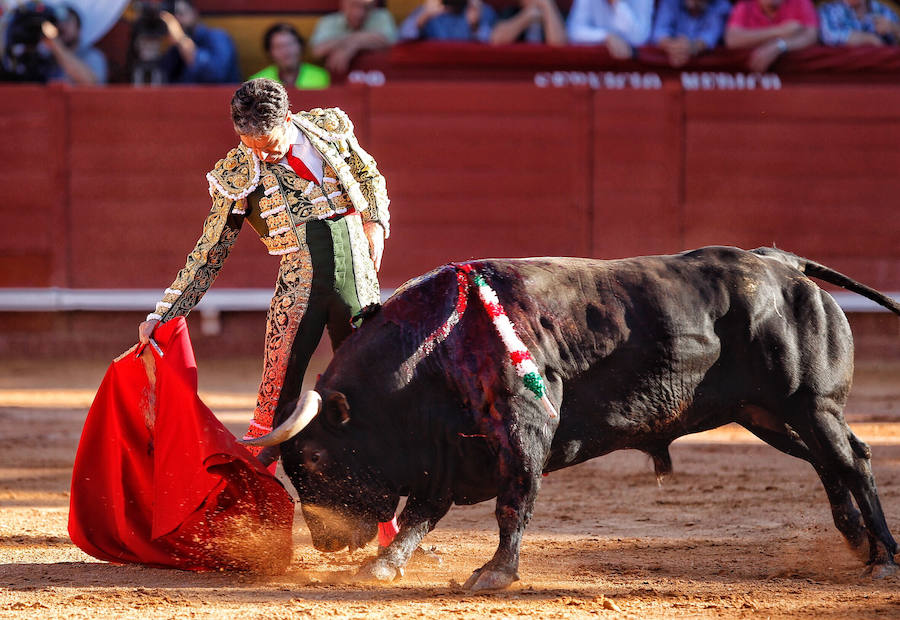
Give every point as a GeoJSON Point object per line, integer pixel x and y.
{"type": "Point", "coordinates": [145, 330]}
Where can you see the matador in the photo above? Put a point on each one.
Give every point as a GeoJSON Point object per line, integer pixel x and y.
{"type": "Point", "coordinates": [318, 202]}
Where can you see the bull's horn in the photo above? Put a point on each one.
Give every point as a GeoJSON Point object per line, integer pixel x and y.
{"type": "Point", "coordinates": [307, 408]}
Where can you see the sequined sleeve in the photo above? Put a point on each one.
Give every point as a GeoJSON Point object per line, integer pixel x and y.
{"type": "Point", "coordinates": [371, 184]}
{"type": "Point", "coordinates": [220, 231]}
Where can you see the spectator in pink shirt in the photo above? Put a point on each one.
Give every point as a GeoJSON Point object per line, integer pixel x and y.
{"type": "Point", "coordinates": [771, 28]}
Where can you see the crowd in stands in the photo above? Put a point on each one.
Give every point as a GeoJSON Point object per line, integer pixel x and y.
{"type": "Point", "coordinates": [171, 44]}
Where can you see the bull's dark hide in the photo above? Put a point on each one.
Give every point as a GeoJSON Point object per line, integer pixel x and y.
{"type": "Point", "coordinates": [634, 353]}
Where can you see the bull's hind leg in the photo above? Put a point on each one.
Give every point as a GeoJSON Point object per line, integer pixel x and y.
{"type": "Point", "coordinates": [524, 442]}
{"type": "Point", "coordinates": [831, 440]}
{"type": "Point", "coordinates": [846, 517]}
{"type": "Point", "coordinates": [823, 438]}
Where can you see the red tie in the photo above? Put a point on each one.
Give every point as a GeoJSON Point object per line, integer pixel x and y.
{"type": "Point", "coordinates": [299, 167]}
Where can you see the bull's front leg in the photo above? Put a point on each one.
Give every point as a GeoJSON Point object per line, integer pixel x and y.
{"type": "Point", "coordinates": [523, 448]}
{"type": "Point", "coordinates": [418, 518]}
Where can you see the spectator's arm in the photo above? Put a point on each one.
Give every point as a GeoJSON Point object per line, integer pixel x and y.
{"type": "Point", "coordinates": [737, 37]}
{"type": "Point", "coordinates": [804, 37]}
{"type": "Point", "coordinates": [352, 44]}
{"type": "Point", "coordinates": [380, 33]}
{"type": "Point", "coordinates": [323, 33]}
{"type": "Point", "coordinates": [762, 57]}
{"type": "Point", "coordinates": [509, 30]}
{"type": "Point", "coordinates": [185, 45]}
{"type": "Point", "coordinates": [632, 21]}
{"type": "Point", "coordinates": [72, 66]}
{"type": "Point", "coordinates": [637, 21]}
{"type": "Point", "coordinates": [96, 62]}
{"type": "Point", "coordinates": [857, 37]}
{"type": "Point", "coordinates": [212, 59]}
{"type": "Point", "coordinates": [554, 28]}
{"type": "Point", "coordinates": [579, 25]}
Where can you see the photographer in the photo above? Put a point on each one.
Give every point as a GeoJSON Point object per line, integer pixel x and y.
{"type": "Point", "coordinates": [450, 20]}
{"type": "Point", "coordinates": [199, 54]}
{"type": "Point", "coordinates": [41, 43]}
{"type": "Point", "coordinates": [358, 27]}
{"type": "Point", "coordinates": [75, 63]}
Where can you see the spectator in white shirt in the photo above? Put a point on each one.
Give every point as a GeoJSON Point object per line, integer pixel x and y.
{"type": "Point", "coordinates": [621, 25]}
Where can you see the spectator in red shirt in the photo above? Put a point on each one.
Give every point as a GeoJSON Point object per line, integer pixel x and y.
{"type": "Point", "coordinates": [771, 28]}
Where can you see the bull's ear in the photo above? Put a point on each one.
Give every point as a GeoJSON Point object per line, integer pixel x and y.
{"type": "Point", "coordinates": [337, 409]}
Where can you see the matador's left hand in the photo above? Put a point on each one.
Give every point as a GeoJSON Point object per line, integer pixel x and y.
{"type": "Point", "coordinates": [375, 234]}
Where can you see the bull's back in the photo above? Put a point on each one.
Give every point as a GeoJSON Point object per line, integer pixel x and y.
{"type": "Point", "coordinates": [646, 349]}
{"type": "Point", "coordinates": [652, 348]}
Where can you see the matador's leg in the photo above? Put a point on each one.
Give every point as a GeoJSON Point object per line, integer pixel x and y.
{"type": "Point", "coordinates": [289, 308]}
{"type": "Point", "coordinates": [355, 285]}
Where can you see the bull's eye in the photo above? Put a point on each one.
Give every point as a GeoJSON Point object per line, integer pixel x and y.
{"type": "Point", "coordinates": [314, 458]}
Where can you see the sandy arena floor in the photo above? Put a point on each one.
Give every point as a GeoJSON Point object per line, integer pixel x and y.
{"type": "Point", "coordinates": [739, 531]}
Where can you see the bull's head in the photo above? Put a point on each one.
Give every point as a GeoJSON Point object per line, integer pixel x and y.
{"type": "Point", "coordinates": [333, 469]}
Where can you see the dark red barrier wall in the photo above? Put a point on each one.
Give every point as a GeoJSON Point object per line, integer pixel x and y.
{"type": "Point", "coordinates": [105, 188]}
{"type": "Point", "coordinates": [810, 169]}
{"type": "Point", "coordinates": [33, 152]}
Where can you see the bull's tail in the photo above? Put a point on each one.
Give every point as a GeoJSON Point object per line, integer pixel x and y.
{"type": "Point", "coordinates": [826, 274]}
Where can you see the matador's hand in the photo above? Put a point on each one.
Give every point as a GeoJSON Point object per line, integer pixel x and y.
{"type": "Point", "coordinates": [375, 234]}
{"type": "Point", "coordinates": [145, 330]}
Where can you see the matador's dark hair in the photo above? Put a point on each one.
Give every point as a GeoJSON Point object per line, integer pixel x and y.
{"type": "Point", "coordinates": [258, 107]}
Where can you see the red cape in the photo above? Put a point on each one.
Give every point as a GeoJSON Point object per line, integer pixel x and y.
{"type": "Point", "coordinates": [158, 480]}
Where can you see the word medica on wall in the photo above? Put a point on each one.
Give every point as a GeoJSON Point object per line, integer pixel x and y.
{"type": "Point", "coordinates": [709, 80]}
{"type": "Point", "coordinates": [602, 80]}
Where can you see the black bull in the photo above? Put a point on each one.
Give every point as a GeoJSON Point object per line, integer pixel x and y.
{"type": "Point", "coordinates": [634, 354]}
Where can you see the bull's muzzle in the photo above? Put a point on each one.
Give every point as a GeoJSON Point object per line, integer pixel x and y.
{"type": "Point", "coordinates": [308, 407]}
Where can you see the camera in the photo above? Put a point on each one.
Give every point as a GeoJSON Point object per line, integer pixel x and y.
{"type": "Point", "coordinates": [148, 44]}
{"type": "Point", "coordinates": [23, 58]}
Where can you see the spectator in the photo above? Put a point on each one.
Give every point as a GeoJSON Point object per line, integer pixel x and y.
{"type": "Point", "coordinates": [533, 21]}
{"type": "Point", "coordinates": [359, 26]}
{"type": "Point", "coordinates": [450, 20]}
{"type": "Point", "coordinates": [199, 54]}
{"type": "Point", "coordinates": [621, 25]}
{"type": "Point", "coordinates": [284, 46]}
{"type": "Point", "coordinates": [73, 62]}
{"type": "Point", "coordinates": [771, 28]}
{"type": "Point", "coordinates": [149, 43]}
{"type": "Point", "coordinates": [858, 22]}
{"type": "Point", "coordinates": [685, 28]}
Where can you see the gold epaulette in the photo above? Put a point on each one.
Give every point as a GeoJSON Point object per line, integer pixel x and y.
{"type": "Point", "coordinates": [330, 124]}
{"type": "Point", "coordinates": [237, 175]}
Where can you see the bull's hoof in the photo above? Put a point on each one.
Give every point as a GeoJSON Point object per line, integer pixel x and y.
{"type": "Point", "coordinates": [379, 569]}
{"type": "Point", "coordinates": [430, 554]}
{"type": "Point", "coordinates": [484, 579]}
{"type": "Point", "coordinates": [881, 570]}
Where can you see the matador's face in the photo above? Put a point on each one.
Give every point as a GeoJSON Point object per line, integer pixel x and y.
{"type": "Point", "coordinates": [270, 147]}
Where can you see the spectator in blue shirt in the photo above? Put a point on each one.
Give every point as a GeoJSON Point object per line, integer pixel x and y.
{"type": "Point", "coordinates": [858, 22]}
{"type": "Point", "coordinates": [450, 20]}
{"type": "Point", "coordinates": [199, 54]}
{"type": "Point", "coordinates": [685, 28]}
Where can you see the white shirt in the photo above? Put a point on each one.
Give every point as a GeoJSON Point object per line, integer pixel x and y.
{"type": "Point", "coordinates": [307, 153]}
{"type": "Point", "coordinates": [591, 21]}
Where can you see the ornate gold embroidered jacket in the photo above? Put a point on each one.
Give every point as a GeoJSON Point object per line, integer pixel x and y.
{"type": "Point", "coordinates": [277, 203]}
